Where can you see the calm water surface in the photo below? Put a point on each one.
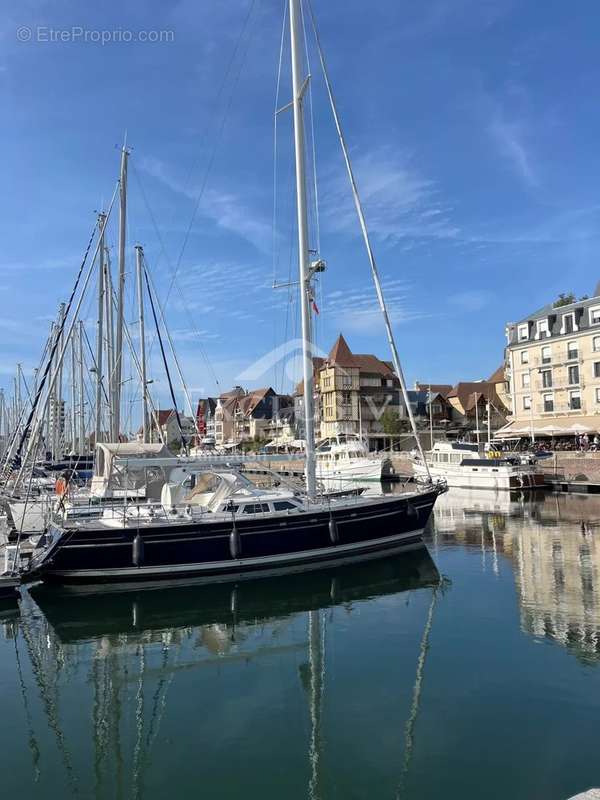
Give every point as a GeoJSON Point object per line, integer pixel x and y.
{"type": "Point", "coordinates": [467, 670]}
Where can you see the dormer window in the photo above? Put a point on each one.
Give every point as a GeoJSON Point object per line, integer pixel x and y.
{"type": "Point", "coordinates": [542, 329]}
{"type": "Point", "coordinates": [595, 315]}
{"type": "Point", "coordinates": [568, 324]}
{"type": "Point", "coordinates": [523, 332]}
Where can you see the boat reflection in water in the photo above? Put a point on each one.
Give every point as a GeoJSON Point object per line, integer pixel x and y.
{"type": "Point", "coordinates": [117, 677]}
{"type": "Point", "coordinates": [552, 542]}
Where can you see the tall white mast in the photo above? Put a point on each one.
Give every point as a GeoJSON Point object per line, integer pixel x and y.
{"type": "Point", "coordinates": [100, 330]}
{"type": "Point", "coordinates": [58, 417]}
{"type": "Point", "coordinates": [109, 330]}
{"type": "Point", "coordinates": [73, 396]}
{"type": "Point", "coordinates": [298, 89]}
{"type": "Point", "coordinates": [139, 254]}
{"type": "Point", "coordinates": [118, 370]}
{"type": "Point", "coordinates": [18, 397]}
{"type": "Point", "coordinates": [81, 448]}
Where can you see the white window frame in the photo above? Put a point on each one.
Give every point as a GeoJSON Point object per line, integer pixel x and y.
{"type": "Point", "coordinates": [598, 394]}
{"type": "Point", "coordinates": [596, 344]}
{"type": "Point", "coordinates": [542, 357]}
{"type": "Point", "coordinates": [527, 402]}
{"type": "Point", "coordinates": [542, 372]}
{"type": "Point", "coordinates": [524, 356]}
{"type": "Point", "coordinates": [548, 396]}
{"type": "Point", "coordinates": [594, 376]}
{"type": "Point", "coordinates": [563, 327]}
{"type": "Point", "coordinates": [569, 381]}
{"type": "Point", "coordinates": [523, 332]}
{"type": "Point", "coordinates": [591, 311]}
{"type": "Point", "coordinates": [525, 380]}
{"type": "Point", "coordinates": [576, 393]}
{"type": "Point", "coordinates": [542, 329]}
{"type": "Point", "coordinates": [572, 358]}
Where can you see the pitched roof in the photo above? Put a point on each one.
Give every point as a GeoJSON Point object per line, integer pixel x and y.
{"type": "Point", "coordinates": [340, 354]}
{"type": "Point", "coordinates": [436, 388]}
{"type": "Point", "coordinates": [163, 415]}
{"type": "Point", "coordinates": [248, 403]}
{"type": "Point", "coordinates": [498, 375]}
{"type": "Point", "coordinates": [370, 363]}
{"type": "Point", "coordinates": [470, 392]}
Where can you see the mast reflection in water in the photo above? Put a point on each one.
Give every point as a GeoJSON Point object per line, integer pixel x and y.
{"type": "Point", "coordinates": [383, 680]}
{"type": "Point", "coordinates": [119, 689]}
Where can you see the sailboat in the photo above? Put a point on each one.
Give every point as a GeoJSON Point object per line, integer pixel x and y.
{"type": "Point", "coordinates": [212, 523]}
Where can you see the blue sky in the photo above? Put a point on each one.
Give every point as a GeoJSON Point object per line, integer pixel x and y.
{"type": "Point", "coordinates": [474, 131]}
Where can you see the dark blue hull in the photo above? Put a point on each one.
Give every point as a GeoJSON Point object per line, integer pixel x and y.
{"type": "Point", "coordinates": [217, 550]}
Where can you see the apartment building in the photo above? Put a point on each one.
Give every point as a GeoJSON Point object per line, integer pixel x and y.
{"type": "Point", "coordinates": [553, 369]}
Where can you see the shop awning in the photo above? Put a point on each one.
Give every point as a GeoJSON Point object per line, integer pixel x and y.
{"type": "Point", "coordinates": [553, 426]}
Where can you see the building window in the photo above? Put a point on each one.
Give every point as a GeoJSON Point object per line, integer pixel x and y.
{"type": "Point", "coordinates": [572, 351]}
{"type": "Point", "coordinates": [596, 369]}
{"type": "Point", "coordinates": [596, 344]}
{"type": "Point", "coordinates": [548, 402]}
{"type": "Point", "coordinates": [598, 395]}
{"type": "Point", "coordinates": [568, 323]}
{"type": "Point", "coordinates": [546, 354]}
{"type": "Point", "coordinates": [573, 375]}
{"type": "Point", "coordinates": [542, 329]}
{"type": "Point", "coordinates": [546, 378]}
{"type": "Point", "coordinates": [595, 315]}
{"type": "Point", "coordinates": [525, 380]}
{"type": "Point", "coordinates": [575, 401]}
{"type": "Point", "coordinates": [523, 333]}
{"type": "Point", "coordinates": [525, 356]}
{"type": "Point", "coordinates": [526, 403]}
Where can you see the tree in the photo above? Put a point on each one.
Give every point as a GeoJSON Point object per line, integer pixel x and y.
{"type": "Point", "coordinates": [564, 300]}
{"type": "Point", "coordinates": [391, 422]}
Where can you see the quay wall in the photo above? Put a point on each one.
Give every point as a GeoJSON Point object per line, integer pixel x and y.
{"type": "Point", "coordinates": [569, 466]}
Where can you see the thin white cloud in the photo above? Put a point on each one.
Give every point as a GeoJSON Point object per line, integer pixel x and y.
{"type": "Point", "coordinates": [224, 208]}
{"type": "Point", "coordinates": [399, 201]}
{"type": "Point", "coordinates": [356, 309]}
{"type": "Point", "coordinates": [510, 137]}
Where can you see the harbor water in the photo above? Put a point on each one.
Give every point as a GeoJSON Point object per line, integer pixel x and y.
{"type": "Point", "coordinates": [466, 669]}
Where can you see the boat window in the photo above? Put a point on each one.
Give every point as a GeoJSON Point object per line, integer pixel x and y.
{"type": "Point", "coordinates": [255, 508]}
{"type": "Point", "coordinates": [231, 507]}
{"type": "Point", "coordinates": [283, 505]}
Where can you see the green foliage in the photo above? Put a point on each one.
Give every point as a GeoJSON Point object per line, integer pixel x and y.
{"type": "Point", "coordinates": [391, 422]}
{"type": "Point", "coordinates": [564, 300]}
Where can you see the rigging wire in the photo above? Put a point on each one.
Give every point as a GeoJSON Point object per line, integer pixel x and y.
{"type": "Point", "coordinates": [186, 308]}
{"type": "Point", "coordinates": [214, 149]}
{"type": "Point", "coordinates": [166, 365]}
{"type": "Point", "coordinates": [367, 242]}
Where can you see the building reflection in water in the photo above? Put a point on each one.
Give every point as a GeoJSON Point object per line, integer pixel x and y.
{"type": "Point", "coordinates": [553, 544]}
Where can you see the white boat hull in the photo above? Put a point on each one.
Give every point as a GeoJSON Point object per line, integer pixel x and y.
{"type": "Point", "coordinates": [483, 477]}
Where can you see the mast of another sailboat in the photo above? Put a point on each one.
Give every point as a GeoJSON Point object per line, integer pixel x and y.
{"type": "Point", "coordinates": [298, 88]}
{"type": "Point", "coordinates": [100, 331]}
{"type": "Point", "coordinates": [118, 370]}
{"type": "Point", "coordinates": [81, 448]}
{"type": "Point", "coordinates": [139, 254]}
